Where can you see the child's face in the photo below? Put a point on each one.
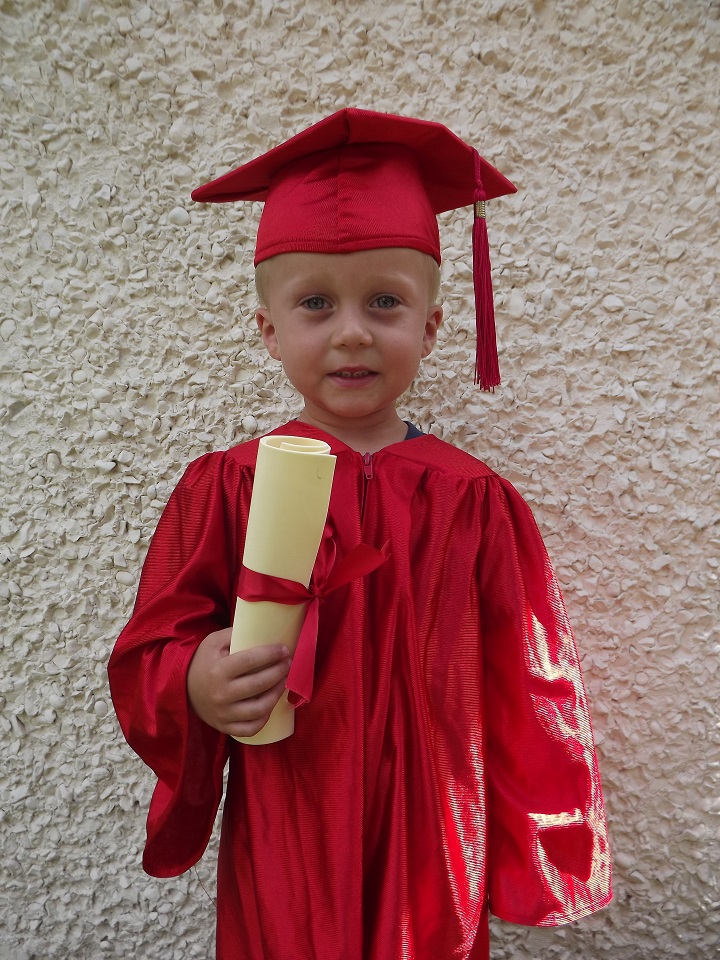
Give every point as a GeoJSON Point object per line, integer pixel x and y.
{"type": "Point", "coordinates": [350, 329]}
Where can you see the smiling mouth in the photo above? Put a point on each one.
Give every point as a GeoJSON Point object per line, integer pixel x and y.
{"type": "Point", "coordinates": [353, 374]}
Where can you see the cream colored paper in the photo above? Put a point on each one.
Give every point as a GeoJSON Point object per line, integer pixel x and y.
{"type": "Point", "coordinates": [288, 510]}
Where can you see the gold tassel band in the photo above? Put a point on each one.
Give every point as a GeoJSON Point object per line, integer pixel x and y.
{"type": "Point", "coordinates": [480, 208]}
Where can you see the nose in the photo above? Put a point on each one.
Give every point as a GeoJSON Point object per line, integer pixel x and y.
{"type": "Point", "coordinates": [351, 327]}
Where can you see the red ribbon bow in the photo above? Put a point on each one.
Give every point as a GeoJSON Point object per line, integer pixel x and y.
{"type": "Point", "coordinates": [327, 576]}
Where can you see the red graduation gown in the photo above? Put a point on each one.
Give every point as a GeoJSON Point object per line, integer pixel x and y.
{"type": "Point", "coordinates": [445, 764]}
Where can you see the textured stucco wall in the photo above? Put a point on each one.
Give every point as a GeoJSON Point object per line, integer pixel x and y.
{"type": "Point", "coordinates": [127, 348]}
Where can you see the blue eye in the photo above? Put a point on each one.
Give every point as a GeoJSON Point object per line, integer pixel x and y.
{"type": "Point", "coordinates": [386, 301]}
{"type": "Point", "coordinates": [315, 303]}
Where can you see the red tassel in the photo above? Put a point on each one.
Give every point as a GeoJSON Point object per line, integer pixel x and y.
{"type": "Point", "coordinates": [487, 370]}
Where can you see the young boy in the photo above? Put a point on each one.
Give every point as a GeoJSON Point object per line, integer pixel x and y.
{"type": "Point", "coordinates": [445, 765]}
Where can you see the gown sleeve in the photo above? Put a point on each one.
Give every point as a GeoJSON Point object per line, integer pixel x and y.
{"type": "Point", "coordinates": [548, 853]}
{"type": "Point", "coordinates": [183, 596]}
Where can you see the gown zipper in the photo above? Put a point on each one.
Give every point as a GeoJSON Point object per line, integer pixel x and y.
{"type": "Point", "coordinates": [368, 472]}
{"type": "Point", "coordinates": [367, 465]}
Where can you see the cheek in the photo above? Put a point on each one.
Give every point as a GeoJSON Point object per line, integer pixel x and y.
{"type": "Point", "coordinates": [413, 345]}
{"type": "Point", "coordinates": [298, 354]}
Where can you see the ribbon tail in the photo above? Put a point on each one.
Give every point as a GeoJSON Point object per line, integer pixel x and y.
{"type": "Point", "coordinates": [299, 682]}
{"type": "Point", "coordinates": [361, 560]}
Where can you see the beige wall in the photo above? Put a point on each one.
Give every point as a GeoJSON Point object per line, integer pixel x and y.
{"type": "Point", "coordinates": [128, 348]}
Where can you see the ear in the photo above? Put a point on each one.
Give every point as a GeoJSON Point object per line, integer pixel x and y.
{"type": "Point", "coordinates": [268, 332]}
{"type": "Point", "coordinates": [432, 324]}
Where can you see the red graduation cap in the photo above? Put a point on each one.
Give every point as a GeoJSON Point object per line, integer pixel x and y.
{"type": "Point", "coordinates": [361, 180]}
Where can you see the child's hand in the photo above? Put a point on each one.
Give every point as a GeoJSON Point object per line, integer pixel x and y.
{"type": "Point", "coordinates": [235, 693]}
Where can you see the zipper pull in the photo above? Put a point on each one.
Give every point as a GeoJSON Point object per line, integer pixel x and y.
{"type": "Point", "coordinates": [367, 466]}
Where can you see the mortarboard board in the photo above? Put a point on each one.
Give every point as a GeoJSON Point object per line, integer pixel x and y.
{"type": "Point", "coordinates": [361, 180]}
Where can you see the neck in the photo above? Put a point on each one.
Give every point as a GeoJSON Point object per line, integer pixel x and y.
{"type": "Point", "coordinates": [361, 436]}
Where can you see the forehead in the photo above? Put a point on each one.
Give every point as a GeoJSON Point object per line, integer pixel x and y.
{"type": "Point", "coordinates": [389, 263]}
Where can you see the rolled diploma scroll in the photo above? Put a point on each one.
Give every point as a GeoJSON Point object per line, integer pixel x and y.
{"type": "Point", "coordinates": [288, 510]}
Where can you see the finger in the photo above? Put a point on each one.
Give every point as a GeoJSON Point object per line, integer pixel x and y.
{"type": "Point", "coordinates": [248, 729]}
{"type": "Point", "coordinates": [256, 658]}
{"type": "Point", "coordinates": [253, 685]}
{"type": "Point", "coordinates": [249, 716]}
